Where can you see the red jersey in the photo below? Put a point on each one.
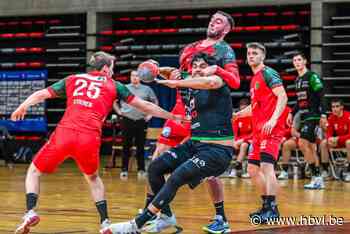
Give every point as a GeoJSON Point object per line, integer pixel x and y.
{"type": "Point", "coordinates": [90, 98]}
{"type": "Point", "coordinates": [225, 60]}
{"type": "Point", "coordinates": [263, 100]}
{"type": "Point", "coordinates": [339, 126]}
{"type": "Point", "coordinates": [242, 128]}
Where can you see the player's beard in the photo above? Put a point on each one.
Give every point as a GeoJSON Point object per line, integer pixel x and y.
{"type": "Point", "coordinates": [215, 35]}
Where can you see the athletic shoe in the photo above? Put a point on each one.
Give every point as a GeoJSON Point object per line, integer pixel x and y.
{"type": "Point", "coordinates": [141, 174]}
{"type": "Point", "coordinates": [347, 177]}
{"type": "Point", "coordinates": [124, 175]}
{"type": "Point", "coordinates": [121, 228]}
{"type": "Point", "coordinates": [325, 174]}
{"type": "Point", "coordinates": [316, 183]}
{"type": "Point", "coordinates": [283, 175]}
{"type": "Point", "coordinates": [233, 173]}
{"type": "Point", "coordinates": [246, 175]}
{"type": "Point", "coordinates": [30, 219]}
{"type": "Point", "coordinates": [269, 214]}
{"type": "Point", "coordinates": [217, 226]}
{"type": "Point", "coordinates": [159, 224]}
{"type": "Point", "coordinates": [105, 223]}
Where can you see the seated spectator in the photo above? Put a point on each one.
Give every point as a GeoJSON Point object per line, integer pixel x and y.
{"type": "Point", "coordinates": [242, 128]}
{"type": "Point", "coordinates": [292, 136]}
{"type": "Point", "coordinates": [337, 134]}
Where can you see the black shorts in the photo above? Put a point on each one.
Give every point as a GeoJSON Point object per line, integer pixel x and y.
{"type": "Point", "coordinates": [206, 159]}
{"type": "Point", "coordinates": [308, 130]}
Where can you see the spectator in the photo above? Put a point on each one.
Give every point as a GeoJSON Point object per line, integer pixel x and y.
{"type": "Point", "coordinates": [134, 125]}
{"type": "Point", "coordinates": [242, 128]}
{"type": "Point", "coordinates": [5, 146]}
{"type": "Point", "coordinates": [337, 135]}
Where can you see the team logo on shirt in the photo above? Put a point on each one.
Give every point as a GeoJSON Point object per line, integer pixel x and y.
{"type": "Point", "coordinates": [263, 144]}
{"type": "Point", "coordinates": [257, 85]}
{"type": "Point", "coordinates": [166, 131]}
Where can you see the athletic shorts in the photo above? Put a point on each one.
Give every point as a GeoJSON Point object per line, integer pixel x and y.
{"type": "Point", "coordinates": [308, 130]}
{"type": "Point", "coordinates": [174, 133]}
{"type": "Point", "coordinates": [262, 143]}
{"type": "Point", "coordinates": [206, 159]}
{"type": "Point", "coordinates": [341, 143]}
{"type": "Point", "coordinates": [84, 148]}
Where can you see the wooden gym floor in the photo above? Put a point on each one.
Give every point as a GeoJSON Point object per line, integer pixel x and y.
{"type": "Point", "coordinates": [65, 205]}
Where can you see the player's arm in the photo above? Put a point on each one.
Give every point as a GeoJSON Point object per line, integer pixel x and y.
{"type": "Point", "coordinates": [33, 99]}
{"type": "Point", "coordinates": [281, 104]}
{"type": "Point", "coordinates": [57, 89]}
{"type": "Point", "coordinates": [147, 107]}
{"type": "Point", "coordinates": [229, 73]}
{"type": "Point", "coordinates": [205, 82]}
{"type": "Point", "coordinates": [152, 109]}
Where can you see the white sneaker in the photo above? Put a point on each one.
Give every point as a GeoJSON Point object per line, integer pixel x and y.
{"type": "Point", "coordinates": [246, 175]}
{"type": "Point", "coordinates": [160, 223]}
{"type": "Point", "coordinates": [347, 177]}
{"type": "Point", "coordinates": [124, 175]}
{"type": "Point", "coordinates": [325, 174]}
{"type": "Point", "coordinates": [30, 219]}
{"type": "Point", "coordinates": [106, 223]}
{"type": "Point", "coordinates": [121, 228]}
{"type": "Point", "coordinates": [316, 183]}
{"type": "Point", "coordinates": [141, 174]}
{"type": "Point", "coordinates": [233, 173]}
{"type": "Point", "coordinates": [283, 175]}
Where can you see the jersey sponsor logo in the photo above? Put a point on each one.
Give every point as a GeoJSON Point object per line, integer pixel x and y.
{"type": "Point", "coordinates": [195, 125]}
{"type": "Point", "coordinates": [90, 77]}
{"type": "Point", "coordinates": [257, 85]}
{"type": "Point", "coordinates": [198, 162]}
{"type": "Point", "coordinates": [172, 154]}
{"type": "Point", "coordinates": [263, 144]}
{"type": "Point", "coordinates": [166, 131]}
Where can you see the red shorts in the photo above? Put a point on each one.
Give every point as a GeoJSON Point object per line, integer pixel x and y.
{"type": "Point", "coordinates": [84, 148]}
{"type": "Point", "coordinates": [262, 143]}
{"type": "Point", "coordinates": [173, 133]}
{"type": "Point", "coordinates": [341, 143]}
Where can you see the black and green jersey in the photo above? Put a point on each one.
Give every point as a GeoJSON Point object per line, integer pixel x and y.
{"type": "Point", "coordinates": [309, 91]}
{"type": "Point", "coordinates": [211, 112]}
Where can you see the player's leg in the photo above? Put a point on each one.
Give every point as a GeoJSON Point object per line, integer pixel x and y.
{"type": "Point", "coordinates": [164, 164]}
{"type": "Point", "coordinates": [140, 139]}
{"type": "Point", "coordinates": [50, 156]}
{"type": "Point", "coordinates": [243, 150]}
{"type": "Point", "coordinates": [347, 174]}
{"type": "Point", "coordinates": [128, 134]}
{"type": "Point", "coordinates": [216, 192]}
{"type": "Point", "coordinates": [324, 150]}
{"type": "Point", "coordinates": [287, 147]}
{"type": "Point", "coordinates": [87, 152]}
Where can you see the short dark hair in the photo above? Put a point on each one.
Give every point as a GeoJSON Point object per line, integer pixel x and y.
{"type": "Point", "coordinates": [301, 54]}
{"type": "Point", "coordinates": [244, 101]}
{"type": "Point", "coordinates": [335, 100]}
{"type": "Point", "coordinates": [256, 45]}
{"type": "Point", "coordinates": [100, 59]}
{"type": "Point", "coordinates": [228, 17]}
{"type": "Point", "coordinates": [203, 56]}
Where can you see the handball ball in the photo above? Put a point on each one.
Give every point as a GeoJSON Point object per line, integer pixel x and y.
{"type": "Point", "coordinates": [148, 71]}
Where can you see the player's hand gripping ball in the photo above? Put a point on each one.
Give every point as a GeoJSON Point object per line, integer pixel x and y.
{"type": "Point", "coordinates": [148, 71]}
